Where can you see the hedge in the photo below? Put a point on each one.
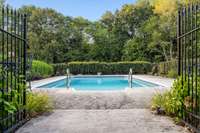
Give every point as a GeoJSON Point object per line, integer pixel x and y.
{"type": "Point", "coordinates": [60, 69]}
{"type": "Point", "coordinates": [40, 70]}
{"type": "Point", "coordinates": [139, 67]}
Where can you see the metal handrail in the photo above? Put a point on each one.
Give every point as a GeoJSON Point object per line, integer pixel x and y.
{"type": "Point", "coordinates": [68, 79]}
{"type": "Point", "coordinates": [130, 77]}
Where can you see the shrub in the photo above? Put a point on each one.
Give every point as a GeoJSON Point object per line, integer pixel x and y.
{"type": "Point", "coordinates": [172, 73]}
{"type": "Point", "coordinates": [172, 101]}
{"type": "Point", "coordinates": [11, 105]}
{"type": "Point", "coordinates": [41, 70]}
{"type": "Point", "coordinates": [38, 103]}
{"type": "Point", "coordinates": [139, 67]}
{"type": "Point", "coordinates": [157, 101]}
{"type": "Point", "coordinates": [168, 69]}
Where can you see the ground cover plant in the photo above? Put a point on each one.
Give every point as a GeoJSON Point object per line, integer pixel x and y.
{"type": "Point", "coordinates": [38, 103]}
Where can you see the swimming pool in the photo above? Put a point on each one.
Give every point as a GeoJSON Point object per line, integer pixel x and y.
{"type": "Point", "coordinates": [98, 83]}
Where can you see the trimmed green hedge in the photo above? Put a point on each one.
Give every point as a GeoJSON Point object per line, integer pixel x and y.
{"type": "Point", "coordinates": [40, 70]}
{"type": "Point", "coordinates": [139, 67]}
{"type": "Point", "coordinates": [60, 69]}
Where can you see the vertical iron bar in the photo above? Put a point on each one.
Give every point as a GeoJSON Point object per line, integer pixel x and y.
{"type": "Point", "coordinates": [7, 65]}
{"type": "Point", "coordinates": [196, 61]}
{"type": "Point", "coordinates": [11, 60]}
{"type": "Point", "coordinates": [185, 45]}
{"type": "Point", "coordinates": [25, 61]}
{"type": "Point", "coordinates": [3, 66]}
{"type": "Point", "coordinates": [18, 58]}
{"type": "Point", "coordinates": [188, 51]}
{"type": "Point", "coordinates": [21, 60]}
{"type": "Point", "coordinates": [182, 52]}
{"type": "Point", "coordinates": [192, 55]}
{"type": "Point", "coordinates": [15, 58]}
{"type": "Point", "coordinates": [178, 42]}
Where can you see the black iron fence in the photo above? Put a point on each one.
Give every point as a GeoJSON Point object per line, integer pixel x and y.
{"type": "Point", "coordinates": [12, 69]}
{"type": "Point", "coordinates": [189, 63]}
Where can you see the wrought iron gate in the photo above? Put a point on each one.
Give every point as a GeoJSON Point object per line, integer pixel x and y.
{"type": "Point", "coordinates": [189, 63]}
{"type": "Point", "coordinates": [13, 45]}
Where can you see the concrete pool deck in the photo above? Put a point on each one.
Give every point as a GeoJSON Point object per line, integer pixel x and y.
{"type": "Point", "coordinates": [125, 99]}
{"type": "Point", "coordinates": [104, 112]}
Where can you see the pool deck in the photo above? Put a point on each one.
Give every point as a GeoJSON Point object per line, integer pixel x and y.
{"type": "Point", "coordinates": [124, 99]}
{"type": "Point", "coordinates": [104, 112]}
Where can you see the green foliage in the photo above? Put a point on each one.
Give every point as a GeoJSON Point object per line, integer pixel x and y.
{"type": "Point", "coordinates": [157, 101]}
{"type": "Point", "coordinates": [11, 104]}
{"type": "Point", "coordinates": [38, 103]}
{"type": "Point", "coordinates": [172, 73]}
{"type": "Point", "coordinates": [141, 31]}
{"type": "Point", "coordinates": [145, 30]}
{"type": "Point", "coordinates": [174, 100]}
{"type": "Point", "coordinates": [60, 69]}
{"type": "Point", "coordinates": [133, 50]}
{"type": "Point", "coordinates": [168, 69]}
{"type": "Point", "coordinates": [139, 67]}
{"type": "Point", "coordinates": [41, 70]}
{"type": "Point", "coordinates": [171, 101]}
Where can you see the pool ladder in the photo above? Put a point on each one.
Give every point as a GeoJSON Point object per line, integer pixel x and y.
{"type": "Point", "coordinates": [130, 78]}
{"type": "Point", "coordinates": [68, 79]}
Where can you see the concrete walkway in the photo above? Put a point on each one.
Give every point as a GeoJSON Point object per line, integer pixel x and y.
{"type": "Point", "coordinates": [102, 121]}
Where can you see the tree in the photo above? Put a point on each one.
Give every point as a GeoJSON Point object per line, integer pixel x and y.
{"type": "Point", "coordinates": [2, 3]}
{"type": "Point", "coordinates": [52, 34]}
{"type": "Point", "coordinates": [105, 46]}
{"type": "Point", "coordinates": [186, 2]}
{"type": "Point", "coordinates": [164, 29]}
{"type": "Point", "coordinates": [134, 51]}
{"type": "Point", "coordinates": [145, 30]}
{"type": "Point", "coordinates": [107, 19]}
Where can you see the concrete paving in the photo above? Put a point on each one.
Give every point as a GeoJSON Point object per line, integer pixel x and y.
{"type": "Point", "coordinates": [102, 121]}
{"type": "Point", "coordinates": [130, 99]}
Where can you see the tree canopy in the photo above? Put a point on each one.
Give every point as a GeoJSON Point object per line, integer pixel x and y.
{"type": "Point", "coordinates": [145, 30]}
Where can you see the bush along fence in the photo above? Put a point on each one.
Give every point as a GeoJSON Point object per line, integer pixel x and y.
{"type": "Point", "coordinates": [167, 69]}
{"type": "Point", "coordinates": [41, 70]}
{"type": "Point", "coordinates": [188, 63]}
{"type": "Point", "coordinates": [139, 67]}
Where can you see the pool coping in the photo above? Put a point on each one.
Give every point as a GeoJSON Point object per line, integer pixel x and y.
{"type": "Point", "coordinates": [146, 78]}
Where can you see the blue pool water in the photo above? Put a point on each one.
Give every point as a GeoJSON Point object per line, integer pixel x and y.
{"type": "Point", "coordinates": [99, 83]}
